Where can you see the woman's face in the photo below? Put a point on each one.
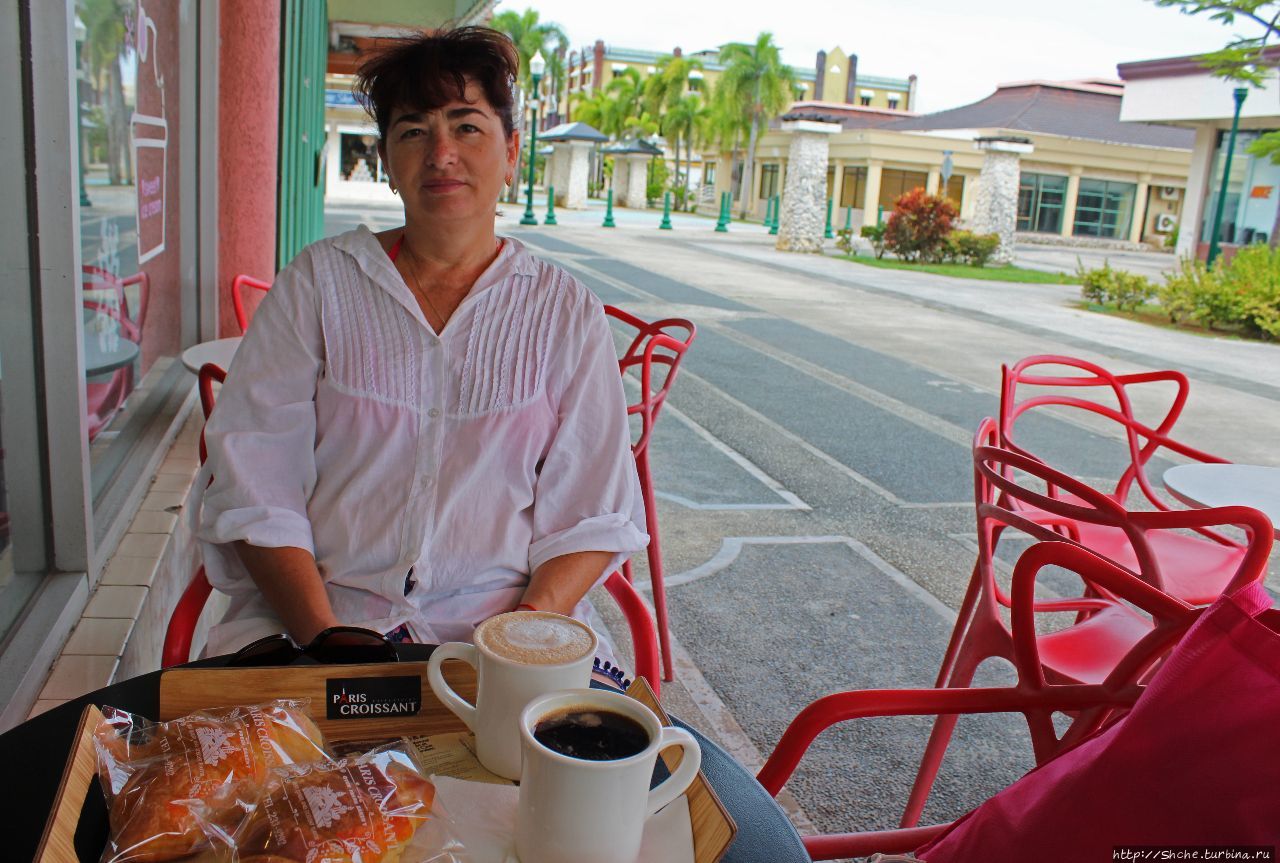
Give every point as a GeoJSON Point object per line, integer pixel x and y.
{"type": "Point", "coordinates": [450, 164]}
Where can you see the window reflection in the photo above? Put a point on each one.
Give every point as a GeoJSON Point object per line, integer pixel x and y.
{"type": "Point", "coordinates": [129, 221]}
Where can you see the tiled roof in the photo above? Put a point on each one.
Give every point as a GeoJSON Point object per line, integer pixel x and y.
{"type": "Point", "coordinates": [1065, 110]}
{"type": "Point", "coordinates": [848, 116]}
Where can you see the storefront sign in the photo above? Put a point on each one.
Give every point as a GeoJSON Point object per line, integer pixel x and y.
{"type": "Point", "coordinates": [1261, 191]}
{"type": "Point", "coordinates": [150, 142]}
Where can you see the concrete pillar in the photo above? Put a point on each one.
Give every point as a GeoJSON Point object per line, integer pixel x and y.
{"type": "Point", "coordinates": [636, 197]}
{"type": "Point", "coordinates": [620, 181]}
{"type": "Point", "coordinates": [996, 207]}
{"type": "Point", "coordinates": [1139, 222]}
{"type": "Point", "coordinates": [248, 139]}
{"type": "Point", "coordinates": [933, 182]}
{"type": "Point", "coordinates": [1198, 179]}
{"type": "Point", "coordinates": [803, 213]}
{"type": "Point", "coordinates": [558, 171]}
{"type": "Point", "coordinates": [1069, 203]}
{"type": "Point", "coordinates": [332, 157]}
{"type": "Point", "coordinates": [871, 198]}
{"type": "Point", "coordinates": [574, 170]}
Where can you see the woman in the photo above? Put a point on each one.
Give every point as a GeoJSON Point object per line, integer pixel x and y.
{"type": "Point", "coordinates": [423, 427]}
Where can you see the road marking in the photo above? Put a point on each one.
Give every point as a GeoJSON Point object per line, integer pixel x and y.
{"type": "Point", "coordinates": [731, 547]}
{"type": "Point", "coordinates": [831, 460]}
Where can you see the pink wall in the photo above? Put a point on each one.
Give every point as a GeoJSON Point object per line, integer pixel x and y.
{"type": "Point", "coordinates": [248, 132]}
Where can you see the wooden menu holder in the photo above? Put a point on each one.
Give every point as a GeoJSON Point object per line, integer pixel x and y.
{"type": "Point", "coordinates": [183, 690]}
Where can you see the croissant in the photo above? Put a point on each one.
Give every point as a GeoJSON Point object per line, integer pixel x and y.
{"type": "Point", "coordinates": [363, 810]}
{"type": "Point", "coordinates": [152, 773]}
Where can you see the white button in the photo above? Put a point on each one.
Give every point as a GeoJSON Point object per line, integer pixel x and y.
{"type": "Point", "coordinates": [433, 413]}
{"type": "Point", "coordinates": [431, 343]}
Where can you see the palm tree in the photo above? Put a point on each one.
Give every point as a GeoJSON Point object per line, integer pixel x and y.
{"type": "Point", "coordinates": [104, 36]}
{"type": "Point", "coordinates": [531, 35]}
{"type": "Point", "coordinates": [628, 115]}
{"type": "Point", "coordinates": [759, 85]}
{"type": "Point", "coordinates": [680, 122]}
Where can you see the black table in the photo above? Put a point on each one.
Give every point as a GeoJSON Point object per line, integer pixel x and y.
{"type": "Point", "coordinates": [34, 753]}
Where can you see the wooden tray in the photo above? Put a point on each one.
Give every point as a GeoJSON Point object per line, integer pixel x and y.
{"type": "Point", "coordinates": [183, 690]}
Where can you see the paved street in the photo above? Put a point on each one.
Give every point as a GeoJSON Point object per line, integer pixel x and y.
{"type": "Point", "coordinates": [815, 482]}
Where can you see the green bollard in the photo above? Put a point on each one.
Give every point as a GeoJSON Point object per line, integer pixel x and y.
{"type": "Point", "coordinates": [551, 207]}
{"type": "Point", "coordinates": [777, 215]}
{"type": "Point", "coordinates": [608, 212]}
{"type": "Point", "coordinates": [827, 233]}
{"type": "Point", "coordinates": [848, 218]}
{"type": "Point", "coordinates": [722, 223]}
{"type": "Point", "coordinates": [880, 215]}
{"type": "Point", "coordinates": [666, 212]}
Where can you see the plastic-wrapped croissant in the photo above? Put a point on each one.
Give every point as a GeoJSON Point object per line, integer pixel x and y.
{"type": "Point", "coordinates": [358, 810]}
{"type": "Point", "coordinates": [152, 772]}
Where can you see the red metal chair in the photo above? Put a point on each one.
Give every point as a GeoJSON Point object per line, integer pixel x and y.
{"type": "Point", "coordinates": [239, 285]}
{"type": "Point", "coordinates": [1194, 566]}
{"type": "Point", "coordinates": [1090, 705]}
{"type": "Point", "coordinates": [186, 614]}
{"type": "Point", "coordinates": [654, 344]}
{"type": "Point", "coordinates": [1105, 629]}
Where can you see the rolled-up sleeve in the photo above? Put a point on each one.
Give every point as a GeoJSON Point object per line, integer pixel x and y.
{"type": "Point", "coordinates": [587, 496]}
{"type": "Point", "coordinates": [261, 437]}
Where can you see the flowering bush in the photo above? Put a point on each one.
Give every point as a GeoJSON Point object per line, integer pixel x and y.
{"type": "Point", "coordinates": [918, 226]}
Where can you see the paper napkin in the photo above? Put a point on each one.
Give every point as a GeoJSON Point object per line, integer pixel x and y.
{"type": "Point", "coordinates": [481, 817]}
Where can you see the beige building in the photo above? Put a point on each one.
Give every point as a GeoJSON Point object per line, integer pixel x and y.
{"type": "Point", "coordinates": [1089, 176]}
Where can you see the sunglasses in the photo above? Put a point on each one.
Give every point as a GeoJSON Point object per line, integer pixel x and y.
{"type": "Point", "coordinates": [336, 645]}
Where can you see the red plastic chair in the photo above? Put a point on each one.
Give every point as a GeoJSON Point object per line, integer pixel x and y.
{"type": "Point", "coordinates": [238, 287]}
{"type": "Point", "coordinates": [1091, 706]}
{"type": "Point", "coordinates": [1105, 630]}
{"type": "Point", "coordinates": [186, 614]}
{"type": "Point", "coordinates": [653, 346]}
{"type": "Point", "coordinates": [1193, 566]}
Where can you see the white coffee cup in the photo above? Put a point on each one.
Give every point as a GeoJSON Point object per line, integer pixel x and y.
{"type": "Point", "coordinates": [517, 656]}
{"type": "Point", "coordinates": [573, 809]}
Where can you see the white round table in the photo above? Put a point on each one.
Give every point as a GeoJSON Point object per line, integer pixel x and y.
{"type": "Point", "coordinates": [1205, 485]}
{"type": "Point", "coordinates": [220, 352]}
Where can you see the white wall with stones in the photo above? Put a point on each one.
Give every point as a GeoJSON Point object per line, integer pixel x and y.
{"type": "Point", "coordinates": [803, 216]}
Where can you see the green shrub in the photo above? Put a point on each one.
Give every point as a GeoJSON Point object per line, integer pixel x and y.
{"type": "Point", "coordinates": [844, 240]}
{"type": "Point", "coordinates": [966, 247]}
{"type": "Point", "coordinates": [875, 234]}
{"type": "Point", "coordinates": [1182, 292]}
{"type": "Point", "coordinates": [1107, 287]}
{"type": "Point", "coordinates": [1250, 292]}
{"type": "Point", "coordinates": [918, 226]}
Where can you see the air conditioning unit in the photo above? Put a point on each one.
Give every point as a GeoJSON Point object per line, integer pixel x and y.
{"type": "Point", "coordinates": [1170, 193]}
{"type": "Point", "coordinates": [1166, 223]}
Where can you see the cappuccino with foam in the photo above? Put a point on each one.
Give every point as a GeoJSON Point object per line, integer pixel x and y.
{"type": "Point", "coordinates": [535, 638]}
{"type": "Point", "coordinates": [517, 657]}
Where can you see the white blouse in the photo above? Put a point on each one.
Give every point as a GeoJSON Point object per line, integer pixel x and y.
{"type": "Point", "coordinates": [349, 428]}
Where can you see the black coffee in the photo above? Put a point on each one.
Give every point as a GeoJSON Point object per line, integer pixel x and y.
{"type": "Point", "coordinates": [593, 735]}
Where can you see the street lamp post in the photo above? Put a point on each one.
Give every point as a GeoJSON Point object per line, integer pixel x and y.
{"type": "Point", "coordinates": [536, 67]}
{"type": "Point", "coordinates": [1239, 94]}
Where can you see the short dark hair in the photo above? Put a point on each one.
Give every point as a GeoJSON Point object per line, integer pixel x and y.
{"type": "Point", "coordinates": [425, 72]}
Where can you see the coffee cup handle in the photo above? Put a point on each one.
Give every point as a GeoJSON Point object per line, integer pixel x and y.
{"type": "Point", "coordinates": [680, 780]}
{"type": "Point", "coordinates": [452, 700]}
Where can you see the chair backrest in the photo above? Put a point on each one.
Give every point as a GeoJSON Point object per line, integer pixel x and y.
{"type": "Point", "coordinates": [656, 349]}
{"type": "Point", "coordinates": [1048, 380]}
{"type": "Point", "coordinates": [239, 285]}
{"type": "Point", "coordinates": [132, 317]}
{"type": "Point", "coordinates": [209, 374]}
{"type": "Point", "coordinates": [1005, 497]}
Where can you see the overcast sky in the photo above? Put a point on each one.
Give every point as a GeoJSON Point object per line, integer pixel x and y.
{"type": "Point", "coordinates": [960, 51]}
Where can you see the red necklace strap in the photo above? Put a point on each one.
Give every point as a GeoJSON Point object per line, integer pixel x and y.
{"type": "Point", "coordinates": [395, 248]}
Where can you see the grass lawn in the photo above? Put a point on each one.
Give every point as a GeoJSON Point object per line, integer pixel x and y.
{"type": "Point", "coordinates": [964, 271]}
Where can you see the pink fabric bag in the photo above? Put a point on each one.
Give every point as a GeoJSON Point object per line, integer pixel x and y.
{"type": "Point", "coordinates": [1196, 762]}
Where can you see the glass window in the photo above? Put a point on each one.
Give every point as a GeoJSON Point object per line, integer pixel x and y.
{"type": "Point", "coordinates": [130, 113]}
{"type": "Point", "coordinates": [854, 187]}
{"type": "Point", "coordinates": [15, 589]}
{"type": "Point", "coordinates": [1104, 209]}
{"type": "Point", "coordinates": [768, 181]}
{"type": "Point", "coordinates": [1041, 198]}
{"type": "Point", "coordinates": [955, 189]}
{"type": "Point", "coordinates": [864, 101]}
{"type": "Point", "coordinates": [1252, 189]}
{"type": "Point", "coordinates": [895, 183]}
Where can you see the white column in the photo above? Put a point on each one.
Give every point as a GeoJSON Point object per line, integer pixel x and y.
{"type": "Point", "coordinates": [1193, 202]}
{"type": "Point", "coordinates": [575, 179]}
{"type": "Point", "coordinates": [1068, 226]}
{"type": "Point", "coordinates": [637, 182]}
{"type": "Point", "coordinates": [1139, 222]}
